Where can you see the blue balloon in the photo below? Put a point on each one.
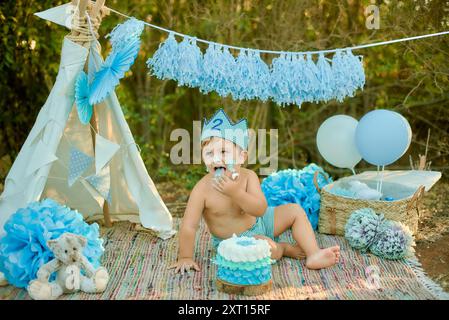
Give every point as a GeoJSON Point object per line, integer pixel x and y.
{"type": "Point", "coordinates": [382, 137]}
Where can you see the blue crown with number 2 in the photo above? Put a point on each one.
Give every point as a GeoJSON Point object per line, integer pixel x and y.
{"type": "Point", "coordinates": [221, 126]}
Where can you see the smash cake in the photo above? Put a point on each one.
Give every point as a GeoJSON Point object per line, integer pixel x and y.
{"type": "Point", "coordinates": [243, 265]}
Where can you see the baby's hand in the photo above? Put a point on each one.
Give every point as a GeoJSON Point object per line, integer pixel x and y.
{"type": "Point", "coordinates": [184, 264]}
{"type": "Point", "coordinates": [226, 185]}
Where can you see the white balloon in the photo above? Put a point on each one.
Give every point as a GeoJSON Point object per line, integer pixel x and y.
{"type": "Point", "coordinates": [336, 141]}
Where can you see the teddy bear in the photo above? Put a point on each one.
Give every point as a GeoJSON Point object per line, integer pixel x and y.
{"type": "Point", "coordinates": [68, 264]}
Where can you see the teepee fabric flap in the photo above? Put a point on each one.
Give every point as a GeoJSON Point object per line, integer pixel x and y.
{"type": "Point", "coordinates": [104, 151]}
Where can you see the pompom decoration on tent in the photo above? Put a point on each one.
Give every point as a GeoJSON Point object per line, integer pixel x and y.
{"type": "Point", "coordinates": [292, 78]}
{"type": "Point", "coordinates": [296, 186]}
{"type": "Point", "coordinates": [125, 41]}
{"type": "Point", "coordinates": [84, 108]}
{"type": "Point", "coordinates": [23, 247]}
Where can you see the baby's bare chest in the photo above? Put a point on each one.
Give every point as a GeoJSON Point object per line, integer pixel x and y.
{"type": "Point", "coordinates": [219, 203]}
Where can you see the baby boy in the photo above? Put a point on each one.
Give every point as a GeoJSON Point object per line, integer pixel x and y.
{"type": "Point", "coordinates": [231, 201]}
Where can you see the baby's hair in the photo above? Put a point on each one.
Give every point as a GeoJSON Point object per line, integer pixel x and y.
{"type": "Point", "coordinates": [206, 141]}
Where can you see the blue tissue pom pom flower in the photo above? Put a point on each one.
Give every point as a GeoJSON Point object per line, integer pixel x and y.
{"type": "Point", "coordinates": [23, 247]}
{"type": "Point", "coordinates": [296, 186]}
{"type": "Point", "coordinates": [395, 241]}
{"type": "Point", "coordinates": [362, 228]}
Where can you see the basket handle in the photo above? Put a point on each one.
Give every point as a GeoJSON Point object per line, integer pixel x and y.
{"type": "Point", "coordinates": [315, 180]}
{"type": "Point", "coordinates": [416, 197]}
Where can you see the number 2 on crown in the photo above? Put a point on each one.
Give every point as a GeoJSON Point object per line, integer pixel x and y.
{"type": "Point", "coordinates": [217, 123]}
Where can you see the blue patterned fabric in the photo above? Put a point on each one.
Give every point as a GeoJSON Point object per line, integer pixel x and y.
{"type": "Point", "coordinates": [102, 183]}
{"type": "Point", "coordinates": [79, 163]}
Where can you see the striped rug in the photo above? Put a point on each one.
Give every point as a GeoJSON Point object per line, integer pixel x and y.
{"type": "Point", "coordinates": [138, 261]}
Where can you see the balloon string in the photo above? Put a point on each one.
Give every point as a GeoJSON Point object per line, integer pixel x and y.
{"type": "Point", "coordinates": [377, 179]}
{"type": "Point", "coordinates": [381, 179]}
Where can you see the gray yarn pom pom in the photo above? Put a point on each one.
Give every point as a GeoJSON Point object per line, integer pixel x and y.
{"type": "Point", "coordinates": [362, 227]}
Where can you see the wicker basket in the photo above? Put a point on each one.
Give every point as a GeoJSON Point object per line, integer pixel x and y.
{"type": "Point", "coordinates": [335, 210]}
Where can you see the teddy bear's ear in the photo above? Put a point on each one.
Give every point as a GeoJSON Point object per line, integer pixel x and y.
{"type": "Point", "coordinates": [81, 240]}
{"type": "Point", "coordinates": [52, 244]}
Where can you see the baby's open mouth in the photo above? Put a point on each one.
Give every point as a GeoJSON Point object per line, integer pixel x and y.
{"type": "Point", "coordinates": [219, 168]}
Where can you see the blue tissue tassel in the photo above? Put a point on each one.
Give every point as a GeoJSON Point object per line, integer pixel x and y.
{"type": "Point", "coordinates": [280, 80]}
{"type": "Point", "coordinates": [164, 63]}
{"type": "Point", "coordinates": [357, 76]}
{"type": "Point", "coordinates": [325, 79]}
{"type": "Point", "coordinates": [218, 70]}
{"type": "Point", "coordinates": [315, 87]}
{"type": "Point", "coordinates": [189, 64]}
{"type": "Point", "coordinates": [304, 80]}
{"type": "Point", "coordinates": [348, 74]}
{"type": "Point", "coordinates": [252, 77]}
{"type": "Point", "coordinates": [292, 78]}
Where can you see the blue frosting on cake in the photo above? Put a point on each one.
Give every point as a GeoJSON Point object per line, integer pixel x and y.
{"type": "Point", "coordinates": [244, 261]}
{"type": "Point", "coordinates": [245, 277]}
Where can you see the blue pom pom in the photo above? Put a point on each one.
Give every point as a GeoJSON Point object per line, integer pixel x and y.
{"type": "Point", "coordinates": [296, 186]}
{"type": "Point", "coordinates": [164, 63]}
{"type": "Point", "coordinates": [362, 228]}
{"type": "Point", "coordinates": [23, 247]}
{"type": "Point", "coordinates": [395, 241]}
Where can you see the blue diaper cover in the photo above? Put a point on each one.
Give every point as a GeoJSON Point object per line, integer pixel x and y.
{"type": "Point", "coordinates": [264, 226]}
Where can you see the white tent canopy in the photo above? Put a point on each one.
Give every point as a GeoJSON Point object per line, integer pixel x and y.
{"type": "Point", "coordinates": [42, 167]}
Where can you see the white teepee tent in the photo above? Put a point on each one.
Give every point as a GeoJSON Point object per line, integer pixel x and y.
{"type": "Point", "coordinates": [42, 167]}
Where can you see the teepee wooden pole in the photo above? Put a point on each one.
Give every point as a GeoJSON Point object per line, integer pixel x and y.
{"type": "Point", "coordinates": [94, 14]}
{"type": "Point", "coordinates": [106, 214]}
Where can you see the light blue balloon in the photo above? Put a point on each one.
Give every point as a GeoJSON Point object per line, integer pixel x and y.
{"type": "Point", "coordinates": [382, 137]}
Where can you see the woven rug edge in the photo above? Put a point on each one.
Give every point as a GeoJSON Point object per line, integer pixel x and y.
{"type": "Point", "coordinates": [434, 288]}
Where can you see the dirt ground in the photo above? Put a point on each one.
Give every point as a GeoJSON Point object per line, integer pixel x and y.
{"type": "Point", "coordinates": [432, 240]}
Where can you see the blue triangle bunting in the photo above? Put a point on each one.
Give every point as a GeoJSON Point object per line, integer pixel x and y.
{"type": "Point", "coordinates": [79, 163]}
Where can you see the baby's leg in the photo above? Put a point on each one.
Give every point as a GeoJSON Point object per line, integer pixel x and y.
{"type": "Point", "coordinates": [293, 216]}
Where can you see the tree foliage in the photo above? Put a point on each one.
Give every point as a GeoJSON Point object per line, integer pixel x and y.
{"type": "Point", "coordinates": [409, 77]}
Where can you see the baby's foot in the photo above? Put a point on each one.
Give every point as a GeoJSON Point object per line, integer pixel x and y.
{"type": "Point", "coordinates": [294, 252]}
{"type": "Point", "coordinates": [324, 258]}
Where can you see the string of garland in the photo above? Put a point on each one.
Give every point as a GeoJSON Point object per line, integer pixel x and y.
{"type": "Point", "coordinates": [292, 78]}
